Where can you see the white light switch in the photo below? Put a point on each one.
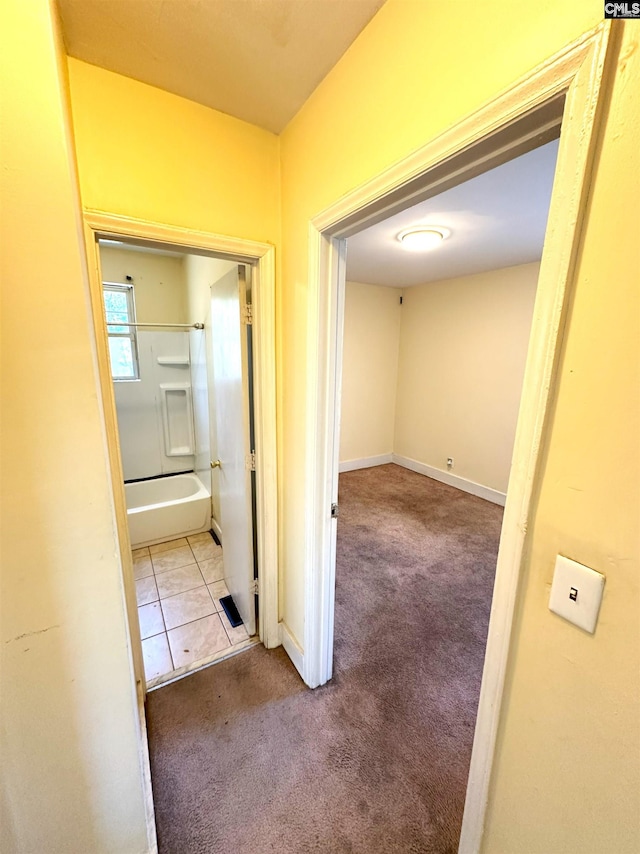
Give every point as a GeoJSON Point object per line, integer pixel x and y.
{"type": "Point", "coordinates": [576, 593]}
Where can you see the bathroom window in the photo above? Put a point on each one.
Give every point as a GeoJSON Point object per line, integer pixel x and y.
{"type": "Point", "coordinates": [123, 344]}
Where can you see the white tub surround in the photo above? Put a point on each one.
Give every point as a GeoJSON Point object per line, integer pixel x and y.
{"type": "Point", "coordinates": [155, 412]}
{"type": "Point", "coordinates": [200, 403]}
{"type": "Point", "coordinates": [165, 508]}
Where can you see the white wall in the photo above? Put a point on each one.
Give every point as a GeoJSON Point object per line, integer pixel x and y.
{"type": "Point", "coordinates": [145, 414]}
{"type": "Point", "coordinates": [463, 347]}
{"type": "Point", "coordinates": [200, 273]}
{"type": "Point", "coordinates": [439, 376]}
{"type": "Point", "coordinates": [369, 371]}
{"type": "Point", "coordinates": [160, 289]}
{"type": "Point", "coordinates": [158, 282]}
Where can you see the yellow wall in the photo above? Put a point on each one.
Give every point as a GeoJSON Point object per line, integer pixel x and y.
{"type": "Point", "coordinates": [69, 734]}
{"type": "Point", "coordinates": [567, 778]}
{"type": "Point", "coordinates": [568, 740]}
{"type": "Point", "coordinates": [148, 154]}
{"type": "Point", "coordinates": [463, 346]}
{"type": "Point", "coordinates": [369, 370]}
{"type": "Point", "coordinates": [159, 282]}
{"type": "Point", "coordinates": [413, 72]}
{"type": "Point", "coordinates": [384, 99]}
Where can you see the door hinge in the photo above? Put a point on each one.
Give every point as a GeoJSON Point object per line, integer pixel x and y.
{"type": "Point", "coordinates": [334, 511]}
{"type": "Point", "coordinates": [247, 314]}
{"type": "Point", "coordinates": [250, 461]}
{"type": "Point", "coordinates": [254, 587]}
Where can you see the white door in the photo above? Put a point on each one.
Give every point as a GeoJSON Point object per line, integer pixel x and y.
{"type": "Point", "coordinates": [230, 403]}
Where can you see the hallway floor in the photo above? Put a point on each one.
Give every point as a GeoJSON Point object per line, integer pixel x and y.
{"type": "Point", "coordinates": [244, 758]}
{"type": "Point", "coordinates": [179, 585]}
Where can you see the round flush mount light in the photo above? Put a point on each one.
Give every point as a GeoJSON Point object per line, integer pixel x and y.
{"type": "Point", "coordinates": [420, 238]}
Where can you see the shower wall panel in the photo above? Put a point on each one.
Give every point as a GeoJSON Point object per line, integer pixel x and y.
{"type": "Point", "coordinates": [200, 397]}
{"type": "Point", "coordinates": [151, 413]}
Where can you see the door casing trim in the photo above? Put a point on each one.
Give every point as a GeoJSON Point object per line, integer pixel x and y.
{"type": "Point", "coordinates": [564, 90]}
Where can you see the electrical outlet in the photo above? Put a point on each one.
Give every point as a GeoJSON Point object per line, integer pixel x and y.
{"type": "Point", "coordinates": [449, 462]}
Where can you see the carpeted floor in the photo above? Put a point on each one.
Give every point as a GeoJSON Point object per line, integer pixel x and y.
{"type": "Point", "coordinates": [245, 759]}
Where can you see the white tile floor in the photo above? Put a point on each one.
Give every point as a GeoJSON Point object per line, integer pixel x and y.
{"type": "Point", "coordinates": [179, 585]}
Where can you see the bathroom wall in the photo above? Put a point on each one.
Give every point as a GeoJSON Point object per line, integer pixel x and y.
{"type": "Point", "coordinates": [158, 282]}
{"type": "Point", "coordinates": [155, 415]}
{"type": "Point", "coordinates": [173, 289]}
{"type": "Point", "coordinates": [155, 412]}
{"type": "Point", "coordinates": [200, 273]}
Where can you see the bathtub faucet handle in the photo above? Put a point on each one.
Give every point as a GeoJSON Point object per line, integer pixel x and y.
{"type": "Point", "coordinates": [216, 464]}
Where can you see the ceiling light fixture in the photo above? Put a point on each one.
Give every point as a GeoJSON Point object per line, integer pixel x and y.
{"type": "Point", "coordinates": [419, 238]}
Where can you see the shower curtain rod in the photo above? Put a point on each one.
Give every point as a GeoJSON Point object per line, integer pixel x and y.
{"type": "Point", "coordinates": [176, 325]}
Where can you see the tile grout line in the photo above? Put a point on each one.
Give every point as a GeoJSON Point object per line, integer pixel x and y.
{"type": "Point", "coordinates": [232, 646]}
{"type": "Point", "coordinates": [215, 614]}
{"type": "Point", "coordinates": [215, 611]}
{"type": "Point", "coordinates": [195, 562]}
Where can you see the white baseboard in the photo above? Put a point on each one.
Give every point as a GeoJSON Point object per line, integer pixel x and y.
{"type": "Point", "coordinates": [292, 648]}
{"type": "Point", "coordinates": [452, 480]}
{"type": "Point", "coordinates": [365, 462]}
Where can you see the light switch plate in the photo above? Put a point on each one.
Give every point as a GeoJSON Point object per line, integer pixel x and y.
{"type": "Point", "coordinates": [576, 593]}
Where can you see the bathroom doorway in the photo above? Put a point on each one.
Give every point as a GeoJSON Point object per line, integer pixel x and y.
{"type": "Point", "coordinates": [186, 366]}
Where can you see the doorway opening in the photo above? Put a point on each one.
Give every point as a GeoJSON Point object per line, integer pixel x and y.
{"type": "Point", "coordinates": [179, 334]}
{"type": "Point", "coordinates": [565, 91]}
{"type": "Point", "coordinates": [184, 328]}
{"type": "Point", "coordinates": [434, 350]}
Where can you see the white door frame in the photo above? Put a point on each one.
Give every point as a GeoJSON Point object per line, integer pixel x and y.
{"type": "Point", "coordinates": [262, 257]}
{"type": "Point", "coordinates": [563, 90]}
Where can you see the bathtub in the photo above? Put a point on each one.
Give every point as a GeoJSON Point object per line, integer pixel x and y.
{"type": "Point", "coordinates": [166, 508]}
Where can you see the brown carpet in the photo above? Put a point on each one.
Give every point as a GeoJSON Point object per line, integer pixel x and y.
{"type": "Point", "coordinates": [245, 759]}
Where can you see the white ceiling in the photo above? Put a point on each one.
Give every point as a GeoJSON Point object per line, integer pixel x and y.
{"type": "Point", "coordinates": [496, 220]}
{"type": "Point", "coordinates": [108, 243]}
{"type": "Point", "coordinates": [258, 60]}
